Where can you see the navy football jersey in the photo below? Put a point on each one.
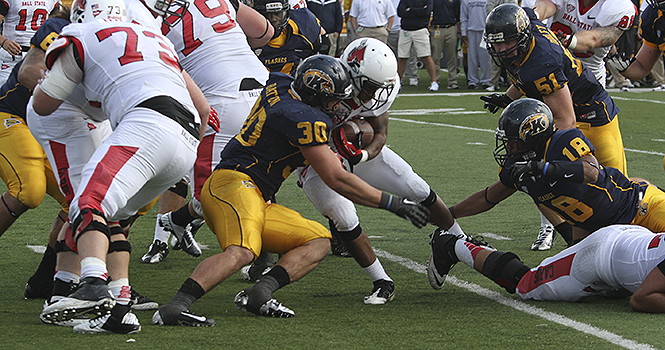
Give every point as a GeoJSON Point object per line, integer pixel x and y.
{"type": "Point", "coordinates": [652, 28]}
{"type": "Point", "coordinates": [612, 199]}
{"type": "Point", "coordinates": [548, 67]}
{"type": "Point", "coordinates": [14, 96]}
{"type": "Point", "coordinates": [266, 148]}
{"type": "Point", "coordinates": [299, 40]}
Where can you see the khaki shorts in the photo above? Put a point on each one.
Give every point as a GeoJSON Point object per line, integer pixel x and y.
{"type": "Point", "coordinates": [418, 39]}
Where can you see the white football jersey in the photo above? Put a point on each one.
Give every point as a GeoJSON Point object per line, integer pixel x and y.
{"type": "Point", "coordinates": [570, 18]}
{"type": "Point", "coordinates": [124, 64]}
{"type": "Point", "coordinates": [24, 17]}
{"type": "Point", "coordinates": [360, 109]}
{"type": "Point", "coordinates": [137, 12]}
{"type": "Point", "coordinates": [298, 4]}
{"type": "Point", "coordinates": [213, 49]}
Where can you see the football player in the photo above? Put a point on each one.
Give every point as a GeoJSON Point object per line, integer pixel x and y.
{"type": "Point", "coordinates": [558, 170]}
{"type": "Point", "coordinates": [374, 73]}
{"type": "Point", "coordinates": [297, 35]}
{"type": "Point", "coordinates": [614, 261]}
{"type": "Point", "coordinates": [21, 19]}
{"type": "Point", "coordinates": [588, 28]}
{"type": "Point", "coordinates": [288, 128]}
{"type": "Point", "coordinates": [220, 61]}
{"type": "Point", "coordinates": [152, 146]}
{"type": "Point", "coordinates": [540, 67]}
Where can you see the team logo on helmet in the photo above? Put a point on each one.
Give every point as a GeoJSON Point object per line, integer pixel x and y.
{"type": "Point", "coordinates": [357, 55]}
{"type": "Point", "coordinates": [522, 20]}
{"type": "Point", "coordinates": [318, 81]}
{"type": "Point", "coordinates": [534, 125]}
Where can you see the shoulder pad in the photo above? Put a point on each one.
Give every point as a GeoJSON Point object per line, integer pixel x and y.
{"type": "Point", "coordinates": [55, 49]}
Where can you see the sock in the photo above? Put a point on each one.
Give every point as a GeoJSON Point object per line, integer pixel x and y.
{"type": "Point", "coordinates": [566, 231]}
{"type": "Point", "coordinates": [376, 272]}
{"type": "Point", "coordinates": [121, 290]}
{"type": "Point", "coordinates": [119, 311]}
{"type": "Point", "coordinates": [66, 276]}
{"type": "Point", "coordinates": [94, 267]}
{"type": "Point", "coordinates": [466, 252]}
{"type": "Point", "coordinates": [62, 288]}
{"type": "Point", "coordinates": [544, 221]}
{"type": "Point", "coordinates": [189, 292]}
{"type": "Point", "coordinates": [161, 234]}
{"type": "Point", "coordinates": [182, 217]}
{"type": "Point", "coordinates": [456, 230]}
{"type": "Point", "coordinates": [47, 265]}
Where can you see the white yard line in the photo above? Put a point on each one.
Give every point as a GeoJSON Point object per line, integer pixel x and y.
{"type": "Point", "coordinates": [397, 112]}
{"type": "Point", "coordinates": [521, 306]}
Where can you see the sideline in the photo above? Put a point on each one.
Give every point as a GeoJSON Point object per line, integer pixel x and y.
{"type": "Point", "coordinates": [521, 306]}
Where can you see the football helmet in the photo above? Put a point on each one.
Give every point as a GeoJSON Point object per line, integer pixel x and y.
{"type": "Point", "coordinates": [170, 10]}
{"type": "Point", "coordinates": [276, 11]}
{"type": "Point", "coordinates": [657, 4]}
{"type": "Point", "coordinates": [524, 128]}
{"type": "Point", "coordinates": [504, 24]}
{"type": "Point", "coordinates": [373, 68]}
{"type": "Point", "coordinates": [321, 79]}
{"type": "Point", "coordinates": [86, 10]}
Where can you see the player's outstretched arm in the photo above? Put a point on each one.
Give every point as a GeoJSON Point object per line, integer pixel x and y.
{"type": "Point", "coordinates": [650, 296]}
{"type": "Point", "coordinates": [330, 169]}
{"type": "Point", "coordinates": [587, 40]}
{"type": "Point", "coordinates": [639, 67]}
{"type": "Point", "coordinates": [482, 200]}
{"type": "Point", "coordinates": [561, 104]}
{"type": "Point", "coordinates": [544, 9]}
{"type": "Point", "coordinates": [31, 68]}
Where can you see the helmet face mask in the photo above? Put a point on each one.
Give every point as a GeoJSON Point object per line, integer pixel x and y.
{"type": "Point", "coordinates": [508, 23]}
{"type": "Point", "coordinates": [657, 4]}
{"type": "Point", "coordinates": [373, 68]}
{"type": "Point", "coordinates": [170, 10]}
{"type": "Point", "coordinates": [525, 126]}
{"type": "Point", "coordinates": [322, 82]}
{"type": "Point", "coordinates": [275, 11]}
{"type": "Point", "coordinates": [87, 10]}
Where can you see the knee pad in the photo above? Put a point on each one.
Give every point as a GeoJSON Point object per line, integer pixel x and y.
{"type": "Point", "coordinates": [180, 188]}
{"type": "Point", "coordinates": [120, 246]}
{"type": "Point", "coordinates": [119, 230]}
{"type": "Point", "coordinates": [346, 236]}
{"type": "Point", "coordinates": [85, 222]}
{"type": "Point", "coordinates": [61, 246]}
{"type": "Point", "coordinates": [430, 200]}
{"type": "Point", "coordinates": [505, 269]}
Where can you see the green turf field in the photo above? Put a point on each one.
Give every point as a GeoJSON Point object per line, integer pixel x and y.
{"type": "Point", "coordinates": [448, 139]}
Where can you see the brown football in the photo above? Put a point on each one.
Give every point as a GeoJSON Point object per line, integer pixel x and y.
{"type": "Point", "coordinates": [354, 127]}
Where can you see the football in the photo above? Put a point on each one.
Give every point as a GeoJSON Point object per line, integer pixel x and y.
{"type": "Point", "coordinates": [359, 132]}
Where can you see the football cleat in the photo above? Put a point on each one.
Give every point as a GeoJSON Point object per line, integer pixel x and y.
{"type": "Point", "coordinates": [141, 302]}
{"type": "Point", "coordinates": [175, 315]}
{"type": "Point", "coordinates": [383, 292]}
{"type": "Point", "coordinates": [270, 308]}
{"type": "Point", "coordinates": [184, 236]}
{"type": "Point", "coordinates": [545, 240]}
{"type": "Point", "coordinates": [90, 298]}
{"type": "Point", "coordinates": [107, 324]}
{"type": "Point", "coordinates": [157, 252]}
{"type": "Point", "coordinates": [442, 258]}
{"type": "Point", "coordinates": [70, 323]}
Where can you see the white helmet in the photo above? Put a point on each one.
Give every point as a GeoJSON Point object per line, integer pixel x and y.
{"type": "Point", "coordinates": [87, 10]}
{"type": "Point", "coordinates": [170, 10]}
{"type": "Point", "coordinates": [373, 68]}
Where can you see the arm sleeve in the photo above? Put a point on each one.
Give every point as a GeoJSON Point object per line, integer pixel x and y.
{"type": "Point", "coordinates": [63, 77]}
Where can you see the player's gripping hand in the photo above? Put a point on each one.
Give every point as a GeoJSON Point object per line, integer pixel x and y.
{"type": "Point", "coordinates": [213, 119]}
{"type": "Point", "coordinates": [415, 213]}
{"type": "Point", "coordinates": [495, 101]}
{"type": "Point", "coordinates": [346, 148]}
{"type": "Point", "coordinates": [619, 62]}
{"type": "Point", "coordinates": [520, 171]}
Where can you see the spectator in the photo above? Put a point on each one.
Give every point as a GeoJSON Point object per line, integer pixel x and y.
{"type": "Point", "coordinates": [411, 71]}
{"type": "Point", "coordinates": [372, 18]}
{"type": "Point", "coordinates": [329, 12]}
{"type": "Point", "coordinates": [350, 33]}
{"type": "Point", "coordinates": [415, 16]}
{"type": "Point", "coordinates": [443, 36]}
{"type": "Point", "coordinates": [472, 20]}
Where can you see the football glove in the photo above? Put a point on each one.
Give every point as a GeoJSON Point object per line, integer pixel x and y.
{"type": "Point", "coordinates": [619, 62]}
{"type": "Point", "coordinates": [520, 171]}
{"type": "Point", "coordinates": [568, 41]}
{"type": "Point", "coordinates": [495, 101]}
{"type": "Point", "coordinates": [346, 148]}
{"type": "Point", "coordinates": [213, 120]}
{"type": "Point", "coordinates": [415, 213]}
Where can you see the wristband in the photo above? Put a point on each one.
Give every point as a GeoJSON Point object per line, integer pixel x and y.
{"type": "Point", "coordinates": [452, 211]}
{"type": "Point", "coordinates": [364, 156]}
{"type": "Point", "coordinates": [386, 201]}
{"type": "Point", "coordinates": [487, 200]}
{"type": "Point", "coordinates": [573, 42]}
